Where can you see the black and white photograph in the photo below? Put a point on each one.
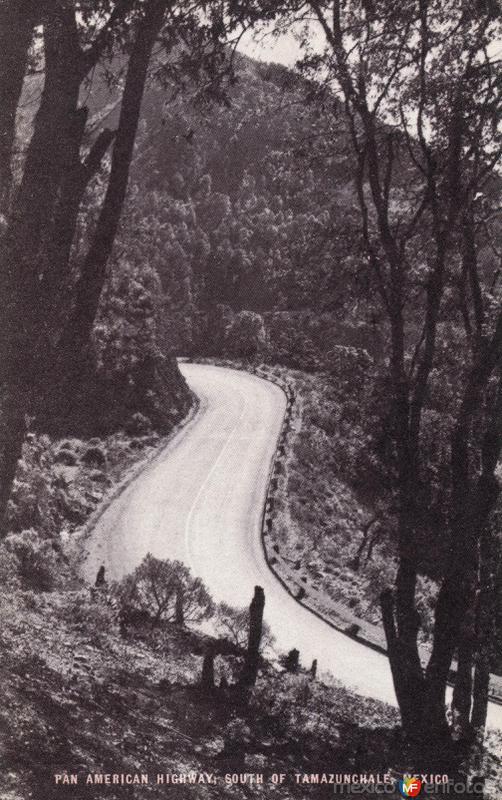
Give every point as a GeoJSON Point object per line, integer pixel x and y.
{"type": "Point", "coordinates": [250, 399]}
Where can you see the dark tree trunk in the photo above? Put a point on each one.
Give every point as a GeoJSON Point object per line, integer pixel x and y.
{"type": "Point", "coordinates": [481, 690]}
{"type": "Point", "coordinates": [473, 502]}
{"type": "Point", "coordinates": [12, 432]}
{"type": "Point", "coordinates": [207, 678]}
{"type": "Point", "coordinates": [406, 698]}
{"type": "Point", "coordinates": [453, 602]}
{"type": "Point", "coordinates": [408, 624]}
{"type": "Point", "coordinates": [27, 242]}
{"type": "Point", "coordinates": [292, 661]}
{"type": "Point", "coordinates": [16, 30]}
{"type": "Point", "coordinates": [179, 614]}
{"type": "Point", "coordinates": [252, 660]}
{"type": "Point", "coordinates": [100, 577]}
{"type": "Point", "coordinates": [23, 251]}
{"type": "Point", "coordinates": [462, 692]}
{"type": "Point", "coordinates": [91, 281]}
{"type": "Point", "coordinates": [75, 181]}
{"type": "Point", "coordinates": [54, 289]}
{"type": "Point", "coordinates": [490, 579]}
{"type": "Point", "coordinates": [17, 19]}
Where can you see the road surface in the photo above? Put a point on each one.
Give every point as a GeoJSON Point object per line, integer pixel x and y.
{"type": "Point", "coordinates": [201, 502]}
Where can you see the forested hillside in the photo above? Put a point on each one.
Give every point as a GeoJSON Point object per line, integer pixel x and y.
{"type": "Point", "coordinates": [237, 237]}
{"type": "Point", "coordinates": [246, 207]}
{"type": "Point", "coordinates": [250, 206]}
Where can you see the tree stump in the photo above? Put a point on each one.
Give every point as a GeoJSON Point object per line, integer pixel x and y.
{"type": "Point", "coordinates": [252, 660]}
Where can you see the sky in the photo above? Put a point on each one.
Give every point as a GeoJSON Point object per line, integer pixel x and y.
{"type": "Point", "coordinates": [286, 50]}
{"type": "Point", "coordinates": [283, 50]}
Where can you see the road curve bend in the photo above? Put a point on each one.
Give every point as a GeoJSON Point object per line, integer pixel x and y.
{"type": "Point", "coordinates": [201, 502]}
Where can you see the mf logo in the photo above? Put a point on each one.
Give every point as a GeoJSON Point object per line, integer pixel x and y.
{"type": "Point", "coordinates": [410, 787]}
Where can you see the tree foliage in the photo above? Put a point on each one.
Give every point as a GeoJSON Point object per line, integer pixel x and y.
{"type": "Point", "coordinates": [417, 85]}
{"type": "Point", "coordinates": [233, 624]}
{"type": "Point", "coordinates": [56, 298]}
{"type": "Point", "coordinates": [162, 591]}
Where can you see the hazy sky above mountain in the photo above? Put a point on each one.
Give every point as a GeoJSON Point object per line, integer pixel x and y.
{"type": "Point", "coordinates": [286, 50]}
{"type": "Point", "coordinates": [283, 50]}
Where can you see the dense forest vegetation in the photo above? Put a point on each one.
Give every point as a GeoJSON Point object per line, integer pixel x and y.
{"type": "Point", "coordinates": [233, 208]}
{"type": "Point", "coordinates": [247, 213]}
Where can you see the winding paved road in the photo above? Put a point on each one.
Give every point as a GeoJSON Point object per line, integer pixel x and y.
{"type": "Point", "coordinates": [201, 502]}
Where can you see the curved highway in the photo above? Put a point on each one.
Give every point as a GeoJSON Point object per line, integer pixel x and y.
{"type": "Point", "coordinates": [201, 502]}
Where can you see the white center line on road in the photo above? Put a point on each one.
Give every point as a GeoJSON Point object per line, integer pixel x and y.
{"type": "Point", "coordinates": [208, 478]}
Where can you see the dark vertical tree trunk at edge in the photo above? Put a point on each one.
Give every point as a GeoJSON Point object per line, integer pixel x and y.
{"type": "Point", "coordinates": [90, 283]}
{"type": "Point", "coordinates": [17, 19]}
{"type": "Point", "coordinates": [252, 660]}
{"type": "Point", "coordinates": [12, 432]}
{"type": "Point", "coordinates": [207, 678]}
{"type": "Point", "coordinates": [35, 249]}
{"type": "Point", "coordinates": [23, 251]}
